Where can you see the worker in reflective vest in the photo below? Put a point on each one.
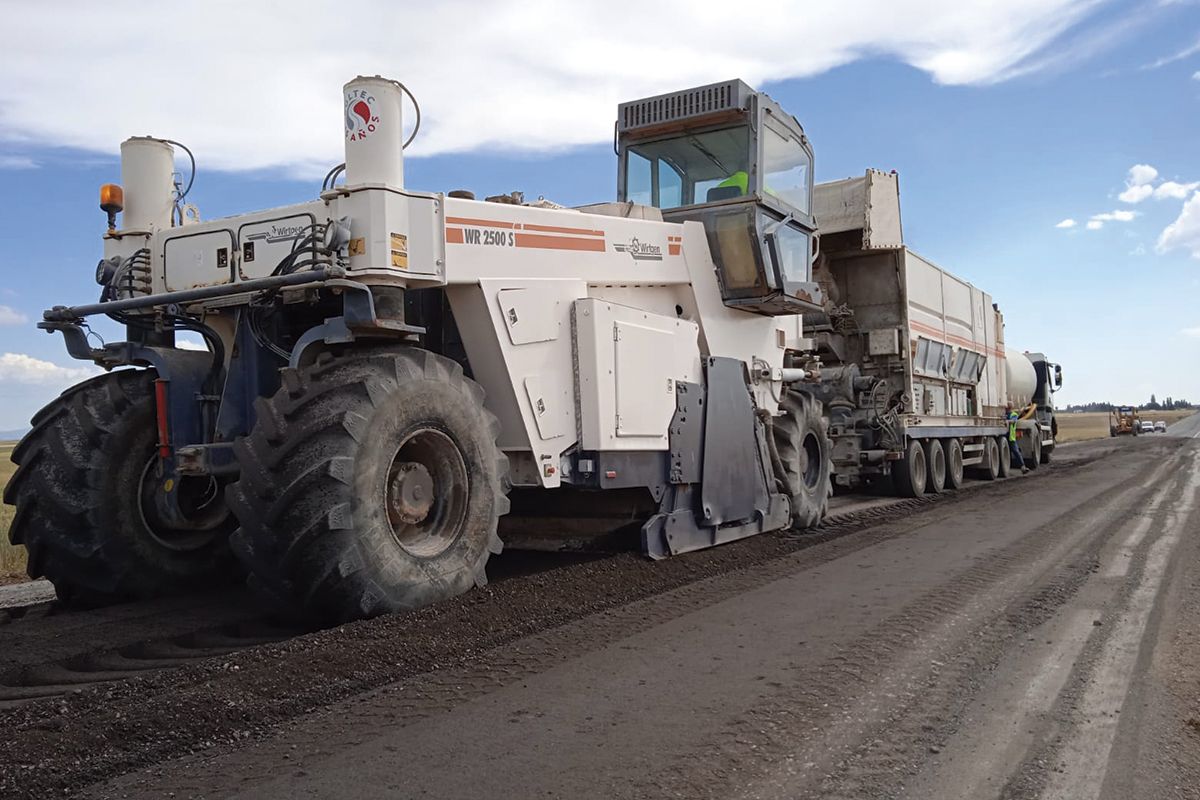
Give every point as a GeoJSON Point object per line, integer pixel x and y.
{"type": "Point", "coordinates": [739, 179]}
{"type": "Point", "coordinates": [1011, 416]}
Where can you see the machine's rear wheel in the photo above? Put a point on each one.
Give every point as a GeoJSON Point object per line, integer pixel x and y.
{"type": "Point", "coordinates": [371, 483]}
{"type": "Point", "coordinates": [86, 493]}
{"type": "Point", "coordinates": [803, 446]}
{"type": "Point", "coordinates": [935, 460]}
{"type": "Point", "coordinates": [954, 463]}
{"type": "Point", "coordinates": [909, 474]}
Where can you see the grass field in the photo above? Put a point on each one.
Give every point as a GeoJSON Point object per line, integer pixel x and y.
{"type": "Point", "coordinates": [12, 559]}
{"type": "Point", "coordinates": [1094, 425]}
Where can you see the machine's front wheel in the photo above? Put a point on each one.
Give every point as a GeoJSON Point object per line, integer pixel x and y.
{"type": "Point", "coordinates": [371, 483]}
{"type": "Point", "coordinates": [802, 441]}
{"type": "Point", "coordinates": [87, 493]}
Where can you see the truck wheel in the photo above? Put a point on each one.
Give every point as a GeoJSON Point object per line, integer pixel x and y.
{"type": "Point", "coordinates": [804, 449]}
{"type": "Point", "coordinates": [989, 468]}
{"type": "Point", "coordinates": [909, 474]}
{"type": "Point", "coordinates": [371, 483]}
{"type": "Point", "coordinates": [1035, 445]}
{"type": "Point", "coordinates": [935, 461]}
{"type": "Point", "coordinates": [1005, 457]}
{"type": "Point", "coordinates": [85, 492]}
{"type": "Point", "coordinates": [954, 463]}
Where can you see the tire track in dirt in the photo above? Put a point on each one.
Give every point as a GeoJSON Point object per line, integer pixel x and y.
{"type": "Point", "coordinates": [870, 715]}
{"type": "Point", "coordinates": [454, 644]}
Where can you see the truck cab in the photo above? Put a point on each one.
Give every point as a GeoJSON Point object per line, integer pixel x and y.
{"type": "Point", "coordinates": [733, 159]}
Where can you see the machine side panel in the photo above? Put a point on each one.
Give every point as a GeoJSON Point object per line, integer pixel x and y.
{"type": "Point", "coordinates": [629, 363]}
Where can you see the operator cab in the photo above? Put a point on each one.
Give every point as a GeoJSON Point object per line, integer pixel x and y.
{"type": "Point", "coordinates": [733, 159]}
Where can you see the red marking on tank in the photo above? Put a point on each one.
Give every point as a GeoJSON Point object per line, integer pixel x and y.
{"type": "Point", "coordinates": [363, 110]}
{"type": "Point", "coordinates": [543, 242]}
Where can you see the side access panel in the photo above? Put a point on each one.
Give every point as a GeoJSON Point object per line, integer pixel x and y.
{"type": "Point", "coordinates": [629, 362]}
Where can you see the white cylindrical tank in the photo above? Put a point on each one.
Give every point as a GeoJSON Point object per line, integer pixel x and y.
{"type": "Point", "coordinates": [1021, 378]}
{"type": "Point", "coordinates": [147, 176]}
{"type": "Point", "coordinates": [374, 132]}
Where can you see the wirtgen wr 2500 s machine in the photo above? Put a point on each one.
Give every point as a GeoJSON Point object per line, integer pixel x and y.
{"type": "Point", "coordinates": [385, 366]}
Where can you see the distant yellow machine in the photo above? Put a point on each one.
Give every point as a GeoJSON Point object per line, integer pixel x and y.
{"type": "Point", "coordinates": [1123, 420]}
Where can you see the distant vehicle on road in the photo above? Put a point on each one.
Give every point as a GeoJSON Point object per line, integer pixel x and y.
{"type": "Point", "coordinates": [1160, 427]}
{"type": "Point", "coordinates": [1123, 420]}
{"type": "Point", "coordinates": [1147, 426]}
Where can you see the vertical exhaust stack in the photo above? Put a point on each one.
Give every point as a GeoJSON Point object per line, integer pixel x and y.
{"type": "Point", "coordinates": [147, 176]}
{"type": "Point", "coordinates": [374, 132]}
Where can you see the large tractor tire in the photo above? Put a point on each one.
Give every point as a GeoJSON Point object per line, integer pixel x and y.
{"type": "Point", "coordinates": [910, 474]}
{"type": "Point", "coordinates": [371, 483]}
{"type": "Point", "coordinates": [802, 441]}
{"type": "Point", "coordinates": [85, 494]}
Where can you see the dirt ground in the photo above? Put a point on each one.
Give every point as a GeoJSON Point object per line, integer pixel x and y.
{"type": "Point", "coordinates": [1035, 637]}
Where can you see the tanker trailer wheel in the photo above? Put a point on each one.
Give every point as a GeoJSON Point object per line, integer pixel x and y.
{"type": "Point", "coordinates": [1035, 447]}
{"type": "Point", "coordinates": [935, 459]}
{"type": "Point", "coordinates": [909, 474]}
{"type": "Point", "coordinates": [85, 493]}
{"type": "Point", "coordinates": [802, 441]}
{"type": "Point", "coordinates": [371, 483]}
{"type": "Point", "coordinates": [954, 463]}
{"type": "Point", "coordinates": [1005, 456]}
{"type": "Point", "coordinates": [989, 470]}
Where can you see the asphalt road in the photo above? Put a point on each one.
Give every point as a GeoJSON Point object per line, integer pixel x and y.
{"type": "Point", "coordinates": [1034, 638]}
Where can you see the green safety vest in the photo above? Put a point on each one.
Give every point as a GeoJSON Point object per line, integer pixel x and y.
{"type": "Point", "coordinates": [1012, 426]}
{"type": "Point", "coordinates": [739, 179]}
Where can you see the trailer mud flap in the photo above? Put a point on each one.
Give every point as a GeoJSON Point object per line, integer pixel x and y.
{"type": "Point", "coordinates": [733, 498]}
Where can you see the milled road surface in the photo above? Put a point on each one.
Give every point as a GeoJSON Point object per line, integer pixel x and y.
{"type": "Point", "coordinates": [1037, 637]}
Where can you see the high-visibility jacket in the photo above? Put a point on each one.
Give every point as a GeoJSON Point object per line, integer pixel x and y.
{"type": "Point", "coordinates": [739, 179]}
{"type": "Point", "coordinates": [1012, 426]}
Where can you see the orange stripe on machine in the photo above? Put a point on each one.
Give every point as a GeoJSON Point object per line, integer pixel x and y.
{"type": "Point", "coordinates": [543, 242]}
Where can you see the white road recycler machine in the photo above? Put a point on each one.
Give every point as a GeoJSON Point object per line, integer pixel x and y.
{"type": "Point", "coordinates": [386, 368]}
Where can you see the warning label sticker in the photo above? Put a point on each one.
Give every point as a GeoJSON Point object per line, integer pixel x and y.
{"type": "Point", "coordinates": [399, 250]}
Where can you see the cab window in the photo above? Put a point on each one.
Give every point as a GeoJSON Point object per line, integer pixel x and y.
{"type": "Point", "coordinates": [690, 169]}
{"type": "Point", "coordinates": [787, 169]}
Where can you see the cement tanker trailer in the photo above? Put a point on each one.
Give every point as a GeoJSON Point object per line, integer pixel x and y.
{"type": "Point", "coordinates": [1031, 382]}
{"type": "Point", "coordinates": [909, 362]}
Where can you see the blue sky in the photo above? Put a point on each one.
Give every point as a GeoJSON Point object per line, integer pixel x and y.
{"type": "Point", "coordinates": [1003, 120]}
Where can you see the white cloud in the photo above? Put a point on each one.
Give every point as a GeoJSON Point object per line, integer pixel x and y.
{"type": "Point", "coordinates": [10, 316]}
{"type": "Point", "coordinates": [1141, 174]}
{"type": "Point", "coordinates": [1193, 332]}
{"type": "Point", "coordinates": [1174, 191]}
{"type": "Point", "coordinates": [21, 368]}
{"type": "Point", "coordinates": [186, 342]}
{"type": "Point", "coordinates": [1196, 76]}
{"type": "Point", "coordinates": [504, 75]}
{"type": "Point", "coordinates": [1067, 223]}
{"type": "Point", "coordinates": [1184, 232]}
{"type": "Point", "coordinates": [1190, 50]}
{"type": "Point", "coordinates": [17, 162]}
{"type": "Point", "coordinates": [1140, 250]}
{"type": "Point", "coordinates": [1136, 194]}
{"type": "Point", "coordinates": [1096, 221]}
